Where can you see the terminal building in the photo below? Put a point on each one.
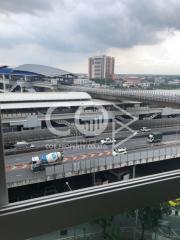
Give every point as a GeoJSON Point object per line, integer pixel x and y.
{"type": "Point", "coordinates": [40, 89]}
{"type": "Point", "coordinates": [27, 111]}
{"type": "Point", "coordinates": [33, 77]}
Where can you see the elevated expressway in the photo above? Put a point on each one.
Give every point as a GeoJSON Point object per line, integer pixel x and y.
{"type": "Point", "coordinates": [41, 134]}
{"type": "Point", "coordinates": [93, 164]}
{"type": "Point", "coordinates": [84, 156]}
{"type": "Point", "coordinates": [165, 98]}
{"type": "Point", "coordinates": [10, 85]}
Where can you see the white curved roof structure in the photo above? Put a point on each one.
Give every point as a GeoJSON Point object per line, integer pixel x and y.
{"type": "Point", "coordinates": [43, 97]}
{"type": "Point", "coordinates": [41, 70]}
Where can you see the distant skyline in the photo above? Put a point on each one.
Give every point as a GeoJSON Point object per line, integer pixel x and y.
{"type": "Point", "coordinates": [143, 36]}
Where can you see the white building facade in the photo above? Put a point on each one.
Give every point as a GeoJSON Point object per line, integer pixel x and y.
{"type": "Point", "coordinates": [101, 67]}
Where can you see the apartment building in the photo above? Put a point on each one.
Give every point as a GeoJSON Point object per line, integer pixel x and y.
{"type": "Point", "coordinates": [101, 67]}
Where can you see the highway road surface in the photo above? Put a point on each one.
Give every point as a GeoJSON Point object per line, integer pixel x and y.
{"type": "Point", "coordinates": [122, 134]}
{"type": "Point", "coordinates": [18, 167]}
{"type": "Point", "coordinates": [76, 150]}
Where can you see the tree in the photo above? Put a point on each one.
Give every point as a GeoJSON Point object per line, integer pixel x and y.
{"type": "Point", "coordinates": [109, 230]}
{"type": "Point", "coordinates": [104, 81]}
{"type": "Point", "coordinates": [149, 217]}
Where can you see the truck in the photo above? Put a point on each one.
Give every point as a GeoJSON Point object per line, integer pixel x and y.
{"type": "Point", "coordinates": [39, 163]}
{"type": "Point", "coordinates": [155, 137]}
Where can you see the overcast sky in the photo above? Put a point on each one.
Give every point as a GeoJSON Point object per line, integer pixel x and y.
{"type": "Point", "coordinates": [142, 35]}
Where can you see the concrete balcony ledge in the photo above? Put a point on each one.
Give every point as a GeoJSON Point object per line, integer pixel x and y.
{"type": "Point", "coordinates": [42, 215]}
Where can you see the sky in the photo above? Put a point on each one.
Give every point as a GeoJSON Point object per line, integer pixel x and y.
{"type": "Point", "coordinates": [142, 35]}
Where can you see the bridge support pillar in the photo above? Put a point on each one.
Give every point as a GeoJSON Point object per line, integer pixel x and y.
{"type": "Point", "coordinates": [121, 175]}
{"type": "Point", "coordinates": [93, 179]}
{"type": "Point", "coordinates": [3, 185]}
{"type": "Point", "coordinates": [134, 171]}
{"type": "Point", "coordinates": [4, 83]}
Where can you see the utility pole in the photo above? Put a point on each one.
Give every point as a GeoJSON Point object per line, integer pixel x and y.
{"type": "Point", "coordinates": [3, 186]}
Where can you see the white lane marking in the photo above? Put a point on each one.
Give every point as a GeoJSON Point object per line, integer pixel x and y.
{"type": "Point", "coordinates": [24, 166]}
{"type": "Point", "coordinates": [13, 168]}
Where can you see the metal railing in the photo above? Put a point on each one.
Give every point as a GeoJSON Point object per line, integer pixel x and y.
{"type": "Point", "coordinates": [141, 95]}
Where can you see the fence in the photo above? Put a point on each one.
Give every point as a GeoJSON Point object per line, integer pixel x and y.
{"type": "Point", "coordinates": [141, 95]}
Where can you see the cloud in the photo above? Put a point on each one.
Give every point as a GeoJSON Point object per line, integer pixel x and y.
{"type": "Point", "coordinates": [90, 26]}
{"type": "Point", "coordinates": [25, 6]}
{"type": "Point", "coordinates": [81, 27]}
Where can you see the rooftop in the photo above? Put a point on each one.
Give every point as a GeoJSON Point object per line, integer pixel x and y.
{"type": "Point", "coordinates": [41, 70]}
{"type": "Point", "coordinates": [43, 96]}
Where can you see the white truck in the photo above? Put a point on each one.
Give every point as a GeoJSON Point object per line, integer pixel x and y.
{"type": "Point", "coordinates": [40, 162]}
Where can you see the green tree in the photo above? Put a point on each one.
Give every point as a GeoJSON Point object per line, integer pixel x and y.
{"type": "Point", "coordinates": [109, 230]}
{"type": "Point", "coordinates": [104, 81]}
{"type": "Point", "coordinates": [149, 217]}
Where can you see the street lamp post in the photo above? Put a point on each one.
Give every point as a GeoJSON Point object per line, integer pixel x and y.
{"type": "Point", "coordinates": [67, 183]}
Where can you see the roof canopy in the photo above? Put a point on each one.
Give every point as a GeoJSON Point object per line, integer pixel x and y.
{"type": "Point", "coordinates": [41, 70]}
{"type": "Point", "coordinates": [5, 70]}
{"type": "Point", "coordinates": [43, 96]}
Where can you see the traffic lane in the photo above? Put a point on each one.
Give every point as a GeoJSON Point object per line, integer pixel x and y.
{"type": "Point", "coordinates": [66, 139]}
{"type": "Point", "coordinates": [79, 149]}
{"type": "Point", "coordinates": [132, 155]}
{"type": "Point", "coordinates": [103, 135]}
{"type": "Point", "coordinates": [43, 145]}
{"type": "Point", "coordinates": [108, 153]}
{"type": "Point", "coordinates": [73, 150]}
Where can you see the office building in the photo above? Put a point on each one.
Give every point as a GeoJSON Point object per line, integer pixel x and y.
{"type": "Point", "coordinates": [101, 67]}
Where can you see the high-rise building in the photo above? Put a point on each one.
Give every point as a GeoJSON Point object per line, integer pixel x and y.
{"type": "Point", "coordinates": [101, 67]}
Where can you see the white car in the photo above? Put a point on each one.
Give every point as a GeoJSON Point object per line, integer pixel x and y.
{"type": "Point", "coordinates": [108, 141]}
{"type": "Point", "coordinates": [119, 151]}
{"type": "Point", "coordinates": [145, 129]}
{"type": "Point", "coordinates": [23, 145]}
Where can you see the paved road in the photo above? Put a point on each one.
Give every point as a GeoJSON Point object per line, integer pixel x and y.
{"type": "Point", "coordinates": [20, 174]}
{"type": "Point", "coordinates": [85, 149]}
{"type": "Point", "coordinates": [18, 167]}
{"type": "Point", "coordinates": [122, 134]}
